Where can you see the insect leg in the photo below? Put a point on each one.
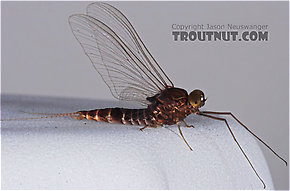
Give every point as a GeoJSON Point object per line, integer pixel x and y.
{"type": "Point", "coordinates": [229, 113]}
{"type": "Point", "coordinates": [178, 124]}
{"type": "Point", "coordinates": [141, 129]}
{"type": "Point", "coordinates": [187, 125]}
{"type": "Point", "coordinates": [223, 119]}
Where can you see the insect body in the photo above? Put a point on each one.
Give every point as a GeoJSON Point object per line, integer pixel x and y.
{"type": "Point", "coordinates": [132, 74]}
{"type": "Point", "coordinates": [167, 108]}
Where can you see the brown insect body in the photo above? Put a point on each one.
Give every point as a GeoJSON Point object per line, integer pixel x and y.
{"type": "Point", "coordinates": [166, 108]}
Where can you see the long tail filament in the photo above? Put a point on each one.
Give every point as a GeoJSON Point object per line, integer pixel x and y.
{"type": "Point", "coordinates": [51, 115]}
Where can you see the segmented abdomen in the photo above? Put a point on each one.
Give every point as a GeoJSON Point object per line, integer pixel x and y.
{"type": "Point", "coordinates": [121, 115]}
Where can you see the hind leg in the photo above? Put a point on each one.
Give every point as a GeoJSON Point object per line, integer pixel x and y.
{"type": "Point", "coordinates": [187, 125]}
{"type": "Point", "coordinates": [141, 129]}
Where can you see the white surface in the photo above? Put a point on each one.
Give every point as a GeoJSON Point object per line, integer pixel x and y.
{"type": "Point", "coordinates": [65, 153]}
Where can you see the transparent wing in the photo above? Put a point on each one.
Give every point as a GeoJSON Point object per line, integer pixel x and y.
{"type": "Point", "coordinates": [118, 53]}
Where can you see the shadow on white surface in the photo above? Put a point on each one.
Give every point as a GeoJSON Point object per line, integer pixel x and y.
{"type": "Point", "coordinates": [64, 153]}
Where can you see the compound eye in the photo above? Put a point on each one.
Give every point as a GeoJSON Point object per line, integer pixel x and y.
{"type": "Point", "coordinates": [196, 98]}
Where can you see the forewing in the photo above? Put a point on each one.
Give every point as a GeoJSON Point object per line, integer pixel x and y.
{"type": "Point", "coordinates": [119, 23]}
{"type": "Point", "coordinates": [118, 54]}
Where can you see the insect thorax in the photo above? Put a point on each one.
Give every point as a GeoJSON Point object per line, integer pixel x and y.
{"type": "Point", "coordinates": [170, 106]}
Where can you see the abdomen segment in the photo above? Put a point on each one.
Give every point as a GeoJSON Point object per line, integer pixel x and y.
{"type": "Point", "coordinates": [121, 115]}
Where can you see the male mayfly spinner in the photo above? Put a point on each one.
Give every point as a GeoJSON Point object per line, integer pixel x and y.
{"type": "Point", "coordinates": [132, 74]}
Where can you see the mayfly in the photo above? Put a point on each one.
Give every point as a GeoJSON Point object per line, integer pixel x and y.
{"type": "Point", "coordinates": [132, 74]}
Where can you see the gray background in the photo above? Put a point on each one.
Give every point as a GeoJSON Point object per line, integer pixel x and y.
{"type": "Point", "coordinates": [40, 56]}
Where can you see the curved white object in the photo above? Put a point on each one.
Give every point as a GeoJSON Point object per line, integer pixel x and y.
{"type": "Point", "coordinates": [64, 153]}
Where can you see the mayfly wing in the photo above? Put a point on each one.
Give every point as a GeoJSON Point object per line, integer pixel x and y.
{"type": "Point", "coordinates": [117, 21]}
{"type": "Point", "coordinates": [118, 54]}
